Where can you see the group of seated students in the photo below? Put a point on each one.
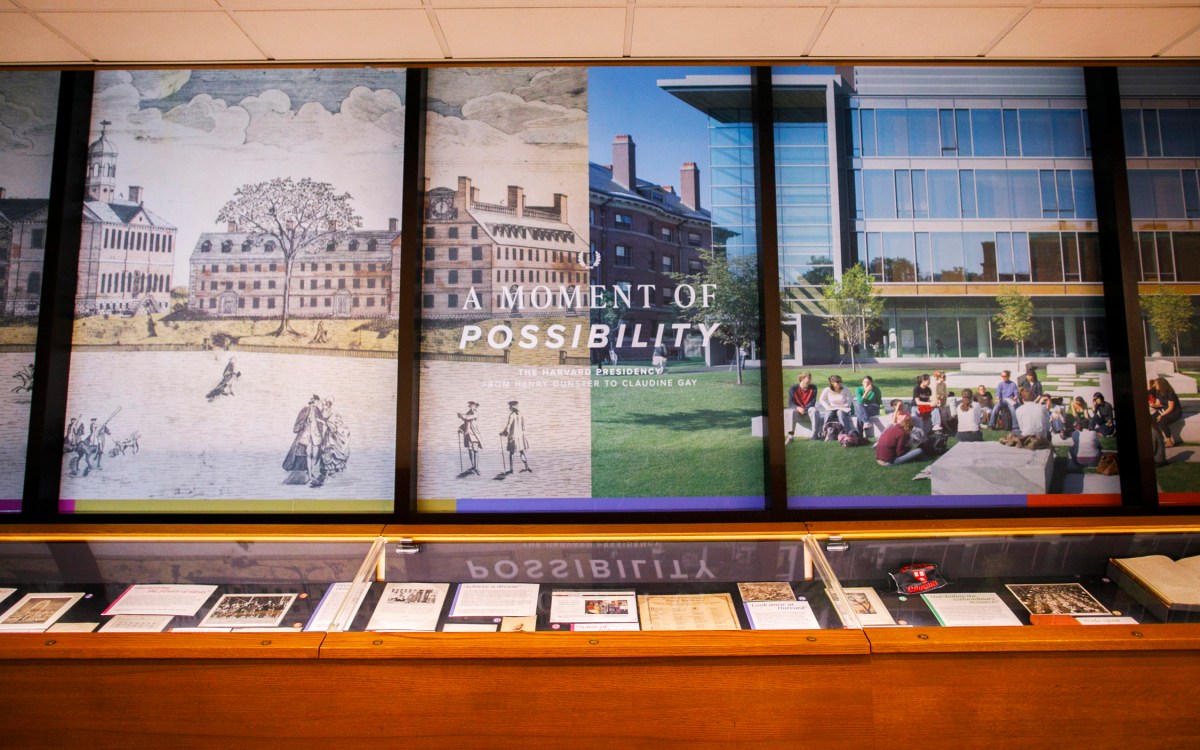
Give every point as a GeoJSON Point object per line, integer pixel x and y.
{"type": "Point", "coordinates": [1020, 407]}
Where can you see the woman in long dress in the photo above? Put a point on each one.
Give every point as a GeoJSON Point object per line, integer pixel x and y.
{"type": "Point", "coordinates": [303, 458]}
{"type": "Point", "coordinates": [335, 444]}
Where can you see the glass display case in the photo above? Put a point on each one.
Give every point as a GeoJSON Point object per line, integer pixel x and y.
{"type": "Point", "coordinates": [1018, 578]}
{"type": "Point", "coordinates": [157, 584]}
{"type": "Point", "coordinates": [639, 582]}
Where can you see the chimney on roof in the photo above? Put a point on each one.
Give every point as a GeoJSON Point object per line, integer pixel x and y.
{"type": "Point", "coordinates": [464, 190]}
{"type": "Point", "coordinates": [135, 194]}
{"type": "Point", "coordinates": [333, 225]}
{"type": "Point", "coordinates": [393, 225]}
{"type": "Point", "coordinates": [624, 161]}
{"type": "Point", "coordinates": [560, 207]}
{"type": "Point", "coordinates": [231, 227]}
{"type": "Point", "coordinates": [689, 185]}
{"type": "Point", "coordinates": [516, 199]}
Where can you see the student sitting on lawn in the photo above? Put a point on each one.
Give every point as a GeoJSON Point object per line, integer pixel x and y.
{"type": "Point", "coordinates": [983, 397]}
{"type": "Point", "coordinates": [892, 447]}
{"type": "Point", "coordinates": [1085, 446]}
{"type": "Point", "coordinates": [802, 402]}
{"type": "Point", "coordinates": [1104, 420]}
{"type": "Point", "coordinates": [1031, 383]}
{"type": "Point", "coordinates": [1165, 408]}
{"type": "Point", "coordinates": [868, 403]}
{"type": "Point", "coordinates": [970, 416]}
{"type": "Point", "coordinates": [899, 410]}
{"type": "Point", "coordinates": [1032, 417]}
{"type": "Point", "coordinates": [835, 403]}
{"type": "Point", "coordinates": [941, 396]}
{"type": "Point", "coordinates": [923, 405]}
{"type": "Point", "coordinates": [1078, 416]}
{"type": "Point", "coordinates": [1058, 414]}
{"type": "Point", "coordinates": [1006, 399]}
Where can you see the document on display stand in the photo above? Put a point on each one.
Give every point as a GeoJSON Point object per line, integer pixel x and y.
{"type": "Point", "coordinates": [495, 600]}
{"type": "Point", "coordinates": [409, 606]}
{"type": "Point", "coordinates": [184, 600]}
{"type": "Point", "coordinates": [970, 610]}
{"type": "Point", "coordinates": [137, 624]}
{"type": "Point", "coordinates": [793, 615]}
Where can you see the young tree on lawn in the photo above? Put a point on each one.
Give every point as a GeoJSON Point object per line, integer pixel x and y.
{"type": "Point", "coordinates": [299, 216]}
{"type": "Point", "coordinates": [1169, 313]}
{"type": "Point", "coordinates": [733, 305]}
{"type": "Point", "coordinates": [853, 308]}
{"type": "Point", "coordinates": [1014, 322]}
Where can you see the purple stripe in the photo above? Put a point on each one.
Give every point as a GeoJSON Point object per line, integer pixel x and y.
{"type": "Point", "coordinates": [10, 506]}
{"type": "Point", "coordinates": [607, 504]}
{"type": "Point", "coordinates": [65, 505]}
{"type": "Point", "coordinates": [907, 501]}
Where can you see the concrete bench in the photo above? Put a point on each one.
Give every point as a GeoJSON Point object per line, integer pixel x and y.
{"type": "Point", "coordinates": [803, 431]}
{"type": "Point", "coordinates": [991, 469]}
{"type": "Point", "coordinates": [1061, 369]}
{"type": "Point", "coordinates": [989, 367]}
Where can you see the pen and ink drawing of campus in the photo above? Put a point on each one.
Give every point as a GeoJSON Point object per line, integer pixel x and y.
{"type": "Point", "coordinates": [560, 366]}
{"type": "Point", "coordinates": [28, 106]}
{"type": "Point", "coordinates": [235, 333]}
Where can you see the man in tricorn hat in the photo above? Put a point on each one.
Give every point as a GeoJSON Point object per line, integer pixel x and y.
{"type": "Point", "coordinates": [468, 432]}
{"type": "Point", "coordinates": [514, 430]}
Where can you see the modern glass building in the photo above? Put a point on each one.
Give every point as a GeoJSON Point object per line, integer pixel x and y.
{"type": "Point", "coordinates": [950, 186]}
{"type": "Point", "coordinates": [1161, 108]}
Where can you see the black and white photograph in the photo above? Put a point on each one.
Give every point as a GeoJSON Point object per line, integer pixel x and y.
{"type": "Point", "coordinates": [36, 612]}
{"type": "Point", "coordinates": [248, 611]}
{"type": "Point", "coordinates": [1056, 599]}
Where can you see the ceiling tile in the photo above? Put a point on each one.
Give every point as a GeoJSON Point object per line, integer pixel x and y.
{"type": "Point", "coordinates": [320, 4]}
{"type": "Point", "coordinates": [563, 33]}
{"type": "Point", "coordinates": [100, 6]}
{"type": "Point", "coordinates": [723, 32]}
{"type": "Point", "coordinates": [911, 32]}
{"type": "Point", "coordinates": [155, 37]}
{"type": "Point", "coordinates": [1189, 46]}
{"type": "Point", "coordinates": [342, 35]}
{"type": "Point", "coordinates": [508, 4]}
{"type": "Point", "coordinates": [1095, 32]}
{"type": "Point", "coordinates": [24, 40]}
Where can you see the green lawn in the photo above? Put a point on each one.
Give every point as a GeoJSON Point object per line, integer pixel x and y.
{"type": "Point", "coordinates": [817, 468]}
{"type": "Point", "coordinates": [1179, 476]}
{"type": "Point", "coordinates": [678, 441]}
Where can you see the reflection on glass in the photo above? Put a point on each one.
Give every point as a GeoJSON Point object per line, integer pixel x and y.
{"type": "Point", "coordinates": [28, 113]}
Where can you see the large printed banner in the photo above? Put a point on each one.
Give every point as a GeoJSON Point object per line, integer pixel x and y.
{"type": "Point", "coordinates": [28, 108]}
{"type": "Point", "coordinates": [587, 310]}
{"type": "Point", "coordinates": [235, 334]}
{"type": "Point", "coordinates": [944, 331]}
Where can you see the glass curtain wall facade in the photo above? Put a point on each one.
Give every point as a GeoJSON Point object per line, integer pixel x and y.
{"type": "Point", "coordinates": [1161, 123]}
{"type": "Point", "coordinates": [961, 183]}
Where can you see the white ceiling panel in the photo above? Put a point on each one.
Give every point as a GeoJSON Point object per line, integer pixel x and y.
{"type": "Point", "coordinates": [1095, 32]}
{"type": "Point", "coordinates": [155, 37]}
{"type": "Point", "coordinates": [723, 32]}
{"type": "Point", "coordinates": [342, 35]}
{"type": "Point", "coordinates": [562, 33]}
{"type": "Point", "coordinates": [24, 40]}
{"type": "Point", "coordinates": [1189, 46]}
{"type": "Point", "coordinates": [912, 32]}
{"type": "Point", "coordinates": [101, 6]}
{"type": "Point", "coordinates": [320, 4]}
{"type": "Point", "coordinates": [516, 4]}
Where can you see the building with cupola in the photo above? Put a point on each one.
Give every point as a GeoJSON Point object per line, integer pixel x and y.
{"type": "Point", "coordinates": [126, 252]}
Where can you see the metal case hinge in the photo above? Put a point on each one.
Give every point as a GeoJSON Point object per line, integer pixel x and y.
{"type": "Point", "coordinates": [407, 547]}
{"type": "Point", "coordinates": [835, 544]}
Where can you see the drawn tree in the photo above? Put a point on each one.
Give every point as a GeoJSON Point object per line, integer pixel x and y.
{"type": "Point", "coordinates": [1014, 322]}
{"type": "Point", "coordinates": [734, 306]}
{"type": "Point", "coordinates": [1169, 313]}
{"type": "Point", "coordinates": [179, 298]}
{"type": "Point", "coordinates": [853, 308]}
{"type": "Point", "coordinates": [299, 216]}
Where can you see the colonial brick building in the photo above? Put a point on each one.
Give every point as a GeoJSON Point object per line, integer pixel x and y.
{"type": "Point", "coordinates": [126, 252]}
{"type": "Point", "coordinates": [642, 232]}
{"type": "Point", "coordinates": [22, 247]}
{"type": "Point", "coordinates": [509, 257]}
{"type": "Point", "coordinates": [232, 275]}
